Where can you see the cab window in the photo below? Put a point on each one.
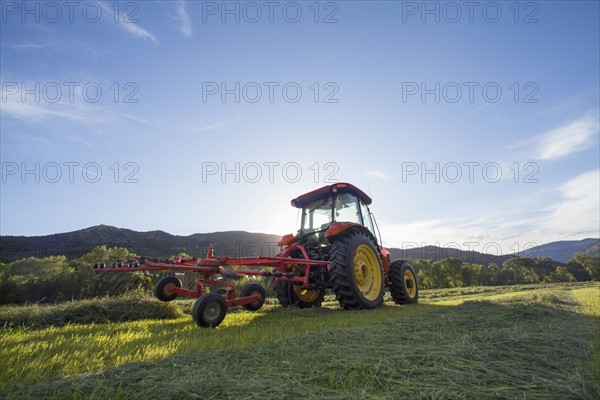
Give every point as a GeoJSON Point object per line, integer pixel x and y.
{"type": "Point", "coordinates": [346, 209]}
{"type": "Point", "coordinates": [317, 215]}
{"type": "Point", "coordinates": [368, 222]}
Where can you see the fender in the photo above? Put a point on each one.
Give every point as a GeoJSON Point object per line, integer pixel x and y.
{"type": "Point", "coordinates": [338, 228]}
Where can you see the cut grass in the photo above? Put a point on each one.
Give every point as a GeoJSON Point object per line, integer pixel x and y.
{"type": "Point", "coordinates": [479, 292]}
{"type": "Point", "coordinates": [534, 344]}
{"type": "Point", "coordinates": [40, 355]}
{"type": "Point", "coordinates": [589, 301]}
{"type": "Point", "coordinates": [130, 307]}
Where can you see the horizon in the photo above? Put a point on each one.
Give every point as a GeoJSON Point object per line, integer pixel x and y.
{"type": "Point", "coordinates": [467, 128]}
{"type": "Point", "coordinates": [404, 246]}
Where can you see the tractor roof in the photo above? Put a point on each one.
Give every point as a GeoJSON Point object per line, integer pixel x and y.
{"type": "Point", "coordinates": [325, 191]}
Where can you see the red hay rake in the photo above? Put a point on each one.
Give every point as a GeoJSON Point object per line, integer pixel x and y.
{"type": "Point", "coordinates": [210, 308]}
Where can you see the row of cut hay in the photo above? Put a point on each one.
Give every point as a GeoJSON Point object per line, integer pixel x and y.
{"type": "Point", "coordinates": [129, 307]}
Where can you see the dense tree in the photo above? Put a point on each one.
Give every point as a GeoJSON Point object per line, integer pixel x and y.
{"type": "Point", "coordinates": [561, 274]}
{"type": "Point", "coordinates": [589, 263]}
{"type": "Point", "coordinates": [578, 271]}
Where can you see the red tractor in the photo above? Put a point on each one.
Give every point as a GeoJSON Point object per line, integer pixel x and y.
{"type": "Point", "coordinates": [335, 248]}
{"type": "Point", "coordinates": [338, 227]}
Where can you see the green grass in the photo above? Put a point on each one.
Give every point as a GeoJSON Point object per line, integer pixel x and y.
{"type": "Point", "coordinates": [588, 300]}
{"type": "Point", "coordinates": [54, 352]}
{"type": "Point", "coordinates": [533, 342]}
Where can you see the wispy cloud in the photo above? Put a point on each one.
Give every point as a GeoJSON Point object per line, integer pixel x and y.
{"type": "Point", "coordinates": [577, 210]}
{"type": "Point", "coordinates": [215, 126]}
{"type": "Point", "coordinates": [51, 115]}
{"type": "Point", "coordinates": [573, 137]}
{"type": "Point", "coordinates": [22, 46]}
{"type": "Point", "coordinates": [183, 18]}
{"type": "Point", "coordinates": [13, 106]}
{"type": "Point", "coordinates": [137, 119]}
{"type": "Point", "coordinates": [379, 175]}
{"type": "Point", "coordinates": [59, 46]}
{"type": "Point", "coordinates": [80, 140]}
{"type": "Point", "coordinates": [132, 27]}
{"type": "Point", "coordinates": [32, 112]}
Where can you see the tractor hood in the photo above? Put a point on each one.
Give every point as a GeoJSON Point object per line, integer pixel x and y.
{"type": "Point", "coordinates": [301, 201]}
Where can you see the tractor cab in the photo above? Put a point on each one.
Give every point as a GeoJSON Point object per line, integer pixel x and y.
{"type": "Point", "coordinates": [330, 211]}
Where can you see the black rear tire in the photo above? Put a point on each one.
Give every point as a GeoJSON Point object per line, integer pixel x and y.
{"type": "Point", "coordinates": [209, 310]}
{"type": "Point", "coordinates": [251, 289]}
{"type": "Point", "coordinates": [356, 273]}
{"type": "Point", "coordinates": [404, 288]}
{"type": "Point", "coordinates": [162, 288]}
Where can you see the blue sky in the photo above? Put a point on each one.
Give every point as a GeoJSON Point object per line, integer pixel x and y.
{"type": "Point", "coordinates": [499, 102]}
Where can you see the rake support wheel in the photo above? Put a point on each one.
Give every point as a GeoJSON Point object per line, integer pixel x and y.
{"type": "Point", "coordinates": [209, 310]}
{"type": "Point", "coordinates": [162, 288]}
{"type": "Point", "coordinates": [251, 289]}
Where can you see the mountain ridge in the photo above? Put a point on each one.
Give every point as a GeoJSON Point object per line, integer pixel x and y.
{"type": "Point", "coordinates": [560, 249]}
{"type": "Point", "coordinates": [158, 243]}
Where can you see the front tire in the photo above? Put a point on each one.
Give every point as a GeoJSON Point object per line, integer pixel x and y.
{"type": "Point", "coordinates": [403, 288]}
{"type": "Point", "coordinates": [307, 298]}
{"type": "Point", "coordinates": [290, 295]}
{"type": "Point", "coordinates": [285, 294]}
{"type": "Point", "coordinates": [209, 310]}
{"type": "Point", "coordinates": [162, 288]}
{"type": "Point", "coordinates": [356, 274]}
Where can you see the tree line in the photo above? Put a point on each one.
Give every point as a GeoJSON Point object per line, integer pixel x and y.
{"type": "Point", "coordinates": [452, 272]}
{"type": "Point", "coordinates": [55, 279]}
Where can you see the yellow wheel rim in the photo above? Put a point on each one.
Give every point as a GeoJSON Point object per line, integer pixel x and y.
{"type": "Point", "coordinates": [367, 272]}
{"type": "Point", "coordinates": [410, 283]}
{"type": "Point", "coordinates": [306, 295]}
